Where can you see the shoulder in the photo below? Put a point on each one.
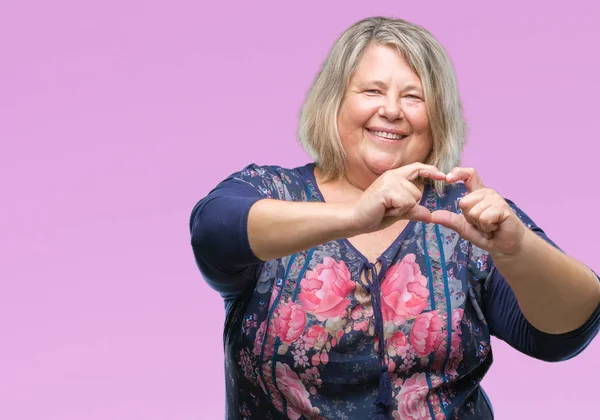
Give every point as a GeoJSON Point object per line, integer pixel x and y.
{"type": "Point", "coordinates": [274, 181]}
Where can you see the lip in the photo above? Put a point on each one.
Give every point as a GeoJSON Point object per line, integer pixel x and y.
{"type": "Point", "coordinates": [384, 139]}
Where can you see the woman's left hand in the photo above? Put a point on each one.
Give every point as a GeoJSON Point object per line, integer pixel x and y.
{"type": "Point", "coordinates": [486, 220]}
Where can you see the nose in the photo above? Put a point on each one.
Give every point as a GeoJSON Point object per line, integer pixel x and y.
{"type": "Point", "coordinates": [391, 109]}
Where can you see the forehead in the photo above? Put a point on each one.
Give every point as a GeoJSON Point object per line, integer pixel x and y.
{"type": "Point", "coordinates": [384, 63]}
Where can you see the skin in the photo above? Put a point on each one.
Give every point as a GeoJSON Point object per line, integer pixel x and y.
{"type": "Point", "coordinates": [384, 92]}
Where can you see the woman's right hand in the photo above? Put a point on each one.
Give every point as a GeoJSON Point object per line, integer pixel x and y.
{"type": "Point", "coordinates": [392, 197]}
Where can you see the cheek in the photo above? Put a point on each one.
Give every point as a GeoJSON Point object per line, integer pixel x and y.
{"type": "Point", "coordinates": [420, 119]}
{"type": "Point", "coordinates": [356, 113]}
{"type": "Point", "coordinates": [350, 123]}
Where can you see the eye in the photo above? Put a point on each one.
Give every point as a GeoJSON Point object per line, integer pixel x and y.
{"type": "Point", "coordinates": [413, 97]}
{"type": "Point", "coordinates": [373, 91]}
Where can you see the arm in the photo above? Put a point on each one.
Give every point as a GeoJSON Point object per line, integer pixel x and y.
{"type": "Point", "coordinates": [242, 222]}
{"type": "Point", "coordinates": [507, 322]}
{"type": "Point", "coordinates": [279, 228]}
{"type": "Point", "coordinates": [556, 293]}
{"type": "Point", "coordinates": [238, 226]}
{"type": "Point", "coordinates": [540, 300]}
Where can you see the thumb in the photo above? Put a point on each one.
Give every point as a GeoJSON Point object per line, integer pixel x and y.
{"type": "Point", "coordinates": [418, 214]}
{"type": "Point", "coordinates": [451, 220]}
{"type": "Point", "coordinates": [459, 224]}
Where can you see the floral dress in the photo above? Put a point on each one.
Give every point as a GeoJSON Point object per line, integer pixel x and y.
{"type": "Point", "coordinates": [326, 334]}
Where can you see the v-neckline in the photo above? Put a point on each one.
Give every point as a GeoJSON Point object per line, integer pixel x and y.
{"type": "Point", "coordinates": [401, 236]}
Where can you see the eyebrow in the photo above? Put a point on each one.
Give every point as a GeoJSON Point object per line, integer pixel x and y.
{"type": "Point", "coordinates": [382, 84]}
{"type": "Point", "coordinates": [411, 86]}
{"type": "Point", "coordinates": [378, 83]}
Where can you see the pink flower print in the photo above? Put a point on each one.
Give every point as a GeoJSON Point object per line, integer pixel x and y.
{"type": "Point", "coordinates": [404, 291]}
{"type": "Point", "coordinates": [315, 337]}
{"type": "Point", "coordinates": [457, 316]}
{"type": "Point", "coordinates": [337, 337]}
{"type": "Point", "coordinates": [361, 325]}
{"type": "Point", "coordinates": [407, 365]}
{"type": "Point", "coordinates": [259, 339]}
{"type": "Point", "coordinates": [274, 295]}
{"type": "Point", "coordinates": [291, 322]}
{"type": "Point", "coordinates": [397, 344]}
{"type": "Point", "coordinates": [356, 312]}
{"type": "Point", "coordinates": [311, 375]}
{"type": "Point", "coordinates": [292, 389]}
{"type": "Point", "coordinates": [315, 360]}
{"type": "Point", "coordinates": [426, 333]}
{"type": "Point", "coordinates": [325, 289]}
{"type": "Point", "coordinates": [455, 344]}
{"type": "Point", "coordinates": [411, 399]}
{"type": "Point", "coordinates": [300, 358]}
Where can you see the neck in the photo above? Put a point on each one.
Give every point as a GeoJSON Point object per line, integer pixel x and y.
{"type": "Point", "coordinates": [353, 184]}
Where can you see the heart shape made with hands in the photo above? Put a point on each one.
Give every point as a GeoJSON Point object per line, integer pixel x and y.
{"type": "Point", "coordinates": [486, 219]}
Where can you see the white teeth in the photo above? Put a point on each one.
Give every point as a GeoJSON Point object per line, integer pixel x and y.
{"type": "Point", "coordinates": [388, 135]}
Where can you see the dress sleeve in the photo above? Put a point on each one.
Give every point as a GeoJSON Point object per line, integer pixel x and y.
{"type": "Point", "coordinates": [219, 232]}
{"type": "Point", "coordinates": [507, 322]}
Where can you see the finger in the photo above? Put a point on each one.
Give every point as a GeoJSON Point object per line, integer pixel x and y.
{"type": "Point", "coordinates": [418, 214]}
{"type": "Point", "coordinates": [473, 216]}
{"type": "Point", "coordinates": [459, 224]}
{"type": "Point", "coordinates": [467, 202]}
{"type": "Point", "coordinates": [491, 218]}
{"type": "Point", "coordinates": [467, 175]}
{"type": "Point", "coordinates": [417, 169]}
{"type": "Point", "coordinates": [402, 199]}
{"type": "Point", "coordinates": [411, 188]}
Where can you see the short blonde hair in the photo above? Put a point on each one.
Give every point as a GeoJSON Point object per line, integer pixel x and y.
{"type": "Point", "coordinates": [318, 131]}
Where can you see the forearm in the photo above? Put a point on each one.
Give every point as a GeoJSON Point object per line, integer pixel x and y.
{"type": "Point", "coordinates": [277, 228]}
{"type": "Point", "coordinates": [555, 292]}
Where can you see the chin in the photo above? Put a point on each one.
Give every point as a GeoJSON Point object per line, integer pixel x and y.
{"type": "Point", "coordinates": [379, 166]}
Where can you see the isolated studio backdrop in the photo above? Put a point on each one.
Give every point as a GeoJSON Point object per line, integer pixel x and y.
{"type": "Point", "coordinates": [117, 116]}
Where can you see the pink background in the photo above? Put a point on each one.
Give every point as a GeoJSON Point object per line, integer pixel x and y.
{"type": "Point", "coordinates": [117, 116]}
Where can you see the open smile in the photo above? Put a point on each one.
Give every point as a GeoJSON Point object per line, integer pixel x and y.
{"type": "Point", "coordinates": [387, 136]}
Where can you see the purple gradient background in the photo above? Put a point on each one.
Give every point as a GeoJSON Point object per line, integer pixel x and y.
{"type": "Point", "coordinates": [117, 116]}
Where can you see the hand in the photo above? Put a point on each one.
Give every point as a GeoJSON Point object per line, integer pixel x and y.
{"type": "Point", "coordinates": [393, 196]}
{"type": "Point", "coordinates": [487, 220]}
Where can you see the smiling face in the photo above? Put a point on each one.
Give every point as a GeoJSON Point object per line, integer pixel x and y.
{"type": "Point", "coordinates": [383, 121]}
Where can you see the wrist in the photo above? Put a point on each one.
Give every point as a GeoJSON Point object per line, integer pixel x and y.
{"type": "Point", "coordinates": [346, 223]}
{"type": "Point", "coordinates": [528, 240]}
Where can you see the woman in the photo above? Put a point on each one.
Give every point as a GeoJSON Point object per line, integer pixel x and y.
{"type": "Point", "coordinates": [367, 284]}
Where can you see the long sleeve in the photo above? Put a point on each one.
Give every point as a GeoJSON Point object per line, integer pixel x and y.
{"type": "Point", "coordinates": [219, 236]}
{"type": "Point", "coordinates": [507, 322]}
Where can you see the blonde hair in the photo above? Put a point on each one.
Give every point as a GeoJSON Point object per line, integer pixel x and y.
{"type": "Point", "coordinates": [318, 131]}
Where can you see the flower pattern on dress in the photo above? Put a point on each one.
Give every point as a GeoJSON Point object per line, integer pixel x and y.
{"type": "Point", "coordinates": [325, 289]}
{"type": "Point", "coordinates": [404, 291]}
{"type": "Point", "coordinates": [303, 345]}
